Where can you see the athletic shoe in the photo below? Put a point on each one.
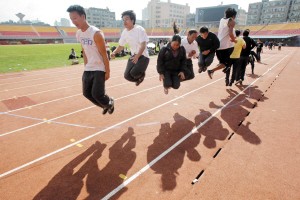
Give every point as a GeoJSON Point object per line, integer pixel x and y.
{"type": "Point", "coordinates": [105, 110]}
{"type": "Point", "coordinates": [239, 82]}
{"type": "Point", "coordinates": [210, 73]}
{"type": "Point", "coordinates": [111, 108]}
{"type": "Point", "coordinates": [140, 80]}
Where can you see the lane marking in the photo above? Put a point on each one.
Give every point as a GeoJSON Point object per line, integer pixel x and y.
{"type": "Point", "coordinates": [77, 111]}
{"type": "Point", "coordinates": [114, 126]}
{"type": "Point", "coordinates": [104, 130]}
{"type": "Point", "coordinates": [194, 130]}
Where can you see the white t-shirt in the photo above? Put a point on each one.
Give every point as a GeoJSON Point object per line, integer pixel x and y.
{"type": "Point", "coordinates": [134, 38]}
{"type": "Point", "coordinates": [223, 35]}
{"type": "Point", "coordinates": [94, 58]}
{"type": "Point", "coordinates": [190, 47]}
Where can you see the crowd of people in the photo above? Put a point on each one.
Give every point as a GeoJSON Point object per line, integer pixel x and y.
{"type": "Point", "coordinates": [174, 60]}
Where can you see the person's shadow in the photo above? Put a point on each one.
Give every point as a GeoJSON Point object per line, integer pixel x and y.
{"type": "Point", "coordinates": [67, 183]}
{"type": "Point", "coordinates": [212, 130]}
{"type": "Point", "coordinates": [236, 112]}
{"type": "Point", "coordinates": [101, 182]}
{"type": "Point", "coordinates": [168, 135]}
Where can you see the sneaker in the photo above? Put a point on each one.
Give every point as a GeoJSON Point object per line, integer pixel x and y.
{"type": "Point", "coordinates": [111, 108]}
{"type": "Point", "coordinates": [204, 69]}
{"type": "Point", "coordinates": [210, 73]}
{"type": "Point", "coordinates": [105, 110]}
{"type": "Point", "coordinates": [140, 80]}
{"type": "Point", "coordinates": [200, 70]}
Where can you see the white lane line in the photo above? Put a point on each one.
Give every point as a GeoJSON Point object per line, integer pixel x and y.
{"type": "Point", "coordinates": [71, 113]}
{"type": "Point", "coordinates": [49, 121]}
{"type": "Point", "coordinates": [63, 98]}
{"type": "Point", "coordinates": [35, 93]}
{"type": "Point", "coordinates": [104, 130]}
{"type": "Point", "coordinates": [43, 78]}
{"type": "Point", "coordinates": [78, 74]}
{"type": "Point", "coordinates": [148, 166]}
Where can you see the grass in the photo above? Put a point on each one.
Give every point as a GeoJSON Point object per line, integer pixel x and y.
{"type": "Point", "coordinates": [15, 58]}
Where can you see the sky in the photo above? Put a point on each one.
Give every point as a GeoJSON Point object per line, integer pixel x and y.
{"type": "Point", "coordinates": [50, 10]}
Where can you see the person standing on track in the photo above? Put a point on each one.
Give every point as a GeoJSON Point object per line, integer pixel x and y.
{"type": "Point", "coordinates": [96, 63]}
{"type": "Point", "coordinates": [137, 38]}
{"type": "Point", "coordinates": [244, 59]}
{"type": "Point", "coordinates": [226, 37]}
{"type": "Point", "coordinates": [235, 56]}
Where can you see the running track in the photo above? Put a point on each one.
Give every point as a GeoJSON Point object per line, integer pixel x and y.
{"type": "Point", "coordinates": [56, 145]}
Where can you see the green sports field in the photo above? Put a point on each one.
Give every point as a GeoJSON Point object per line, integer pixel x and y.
{"type": "Point", "coordinates": [16, 58]}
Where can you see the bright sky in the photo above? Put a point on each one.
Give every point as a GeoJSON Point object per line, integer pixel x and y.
{"type": "Point", "coordinates": [50, 10]}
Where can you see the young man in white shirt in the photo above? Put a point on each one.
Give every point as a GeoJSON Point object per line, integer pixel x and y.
{"type": "Point", "coordinates": [96, 64]}
{"type": "Point", "coordinates": [192, 51]}
{"type": "Point", "coordinates": [137, 38]}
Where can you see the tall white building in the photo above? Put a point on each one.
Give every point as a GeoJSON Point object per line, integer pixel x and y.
{"type": "Point", "coordinates": [164, 13]}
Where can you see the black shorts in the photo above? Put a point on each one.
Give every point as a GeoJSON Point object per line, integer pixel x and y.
{"type": "Point", "coordinates": [223, 56]}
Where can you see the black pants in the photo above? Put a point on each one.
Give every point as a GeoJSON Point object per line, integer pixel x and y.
{"type": "Point", "coordinates": [241, 70]}
{"type": "Point", "coordinates": [171, 80]}
{"type": "Point", "coordinates": [135, 71]}
{"type": "Point", "coordinates": [235, 65]}
{"type": "Point", "coordinates": [189, 72]}
{"type": "Point", "coordinates": [93, 88]}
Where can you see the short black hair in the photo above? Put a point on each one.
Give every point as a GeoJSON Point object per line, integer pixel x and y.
{"type": "Point", "coordinates": [77, 8]}
{"type": "Point", "coordinates": [203, 29]}
{"type": "Point", "coordinates": [192, 31]}
{"type": "Point", "coordinates": [131, 15]}
{"type": "Point", "coordinates": [237, 33]}
{"type": "Point", "coordinates": [246, 32]}
{"type": "Point", "coordinates": [230, 12]}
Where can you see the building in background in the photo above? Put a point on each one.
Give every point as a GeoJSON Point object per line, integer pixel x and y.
{"type": "Point", "coordinates": [63, 22]}
{"type": "Point", "coordinates": [160, 14]}
{"type": "Point", "coordinates": [100, 17]}
{"type": "Point", "coordinates": [268, 12]}
{"type": "Point", "coordinates": [210, 16]}
{"type": "Point", "coordinates": [241, 18]}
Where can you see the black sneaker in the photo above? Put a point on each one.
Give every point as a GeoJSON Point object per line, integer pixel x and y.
{"type": "Point", "coordinates": [210, 73]}
{"type": "Point", "coordinates": [111, 107]}
{"type": "Point", "coordinates": [140, 80]}
{"type": "Point", "coordinates": [105, 110]}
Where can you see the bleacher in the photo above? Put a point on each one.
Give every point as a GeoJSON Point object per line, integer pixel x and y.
{"type": "Point", "coordinates": [27, 33]}
{"type": "Point", "coordinates": [46, 31]}
{"type": "Point", "coordinates": [17, 31]}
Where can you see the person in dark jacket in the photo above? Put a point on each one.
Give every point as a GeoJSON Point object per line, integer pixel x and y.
{"type": "Point", "coordinates": [171, 63]}
{"type": "Point", "coordinates": [244, 59]}
{"type": "Point", "coordinates": [208, 43]}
